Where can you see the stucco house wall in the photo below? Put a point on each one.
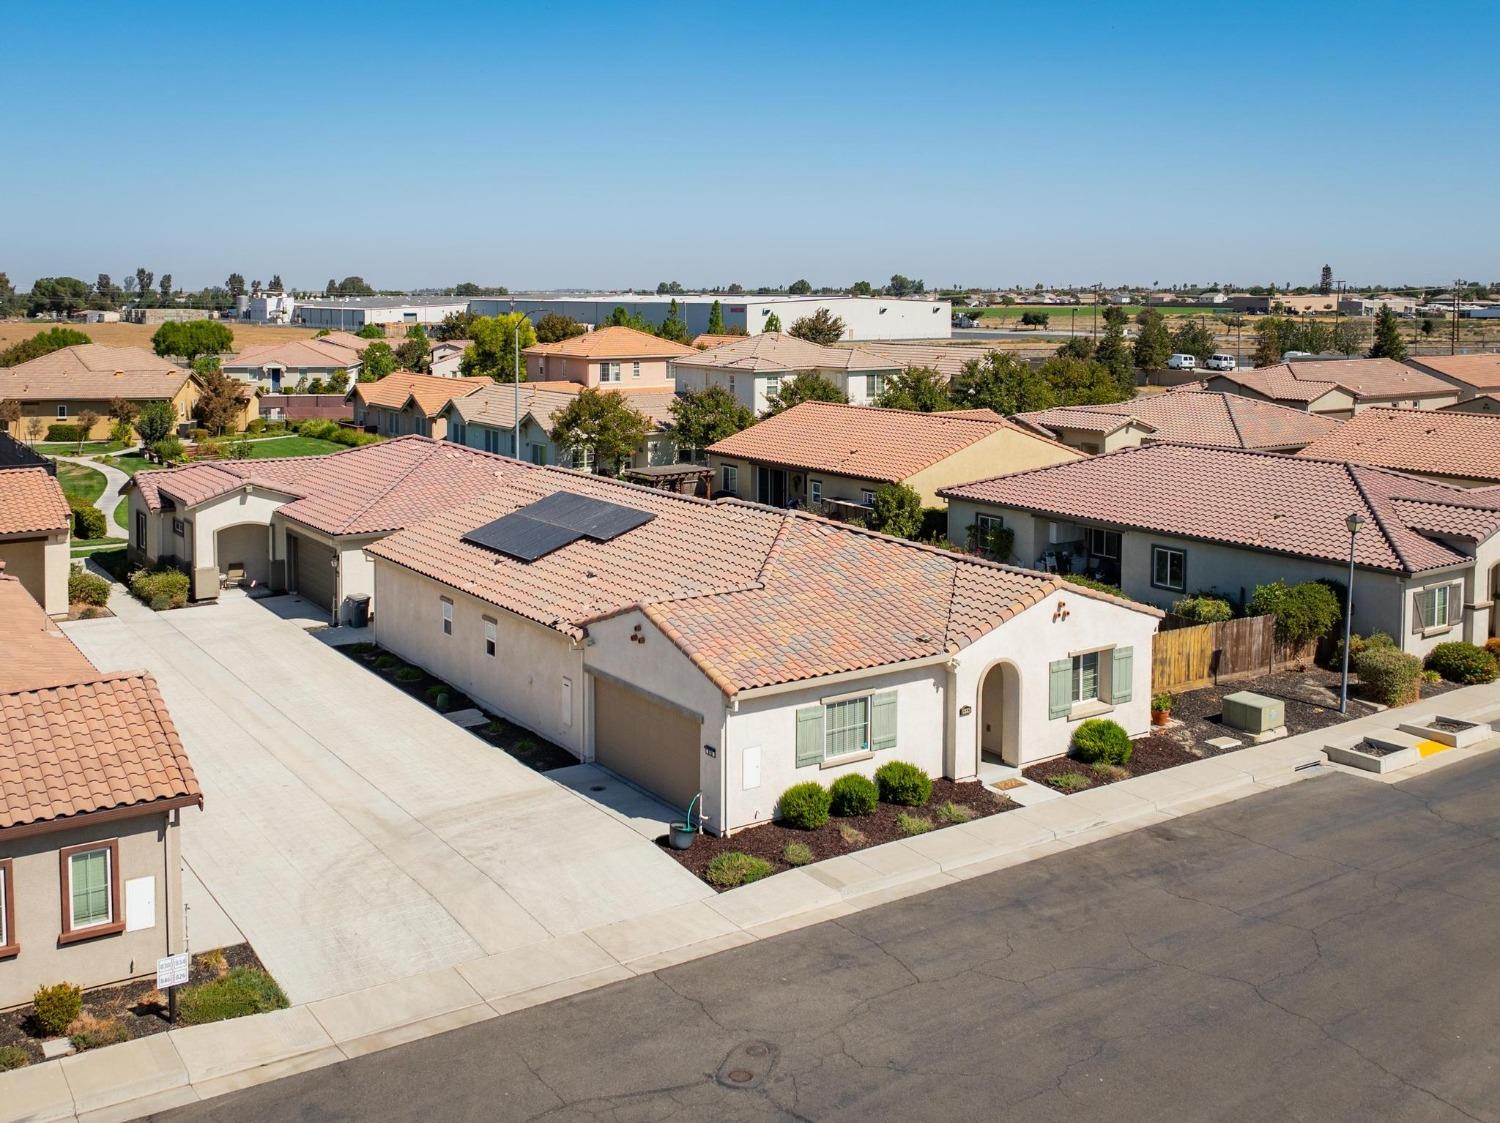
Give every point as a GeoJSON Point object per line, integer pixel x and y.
{"type": "Point", "coordinates": [40, 563]}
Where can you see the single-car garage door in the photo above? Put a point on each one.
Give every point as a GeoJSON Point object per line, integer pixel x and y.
{"type": "Point", "coordinates": [647, 741]}
{"type": "Point", "coordinates": [312, 569]}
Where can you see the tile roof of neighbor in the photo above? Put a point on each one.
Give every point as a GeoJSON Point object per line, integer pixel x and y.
{"type": "Point", "coordinates": [431, 392]}
{"type": "Point", "coordinates": [348, 340]}
{"type": "Point", "coordinates": [773, 351]}
{"type": "Point", "coordinates": [297, 353]}
{"type": "Point", "coordinates": [707, 339]}
{"type": "Point", "coordinates": [612, 343]}
{"type": "Point", "coordinates": [753, 596]}
{"type": "Point", "coordinates": [1206, 418]}
{"type": "Point", "coordinates": [73, 740]}
{"type": "Point", "coordinates": [1482, 372]}
{"type": "Point", "coordinates": [1433, 442]}
{"type": "Point", "coordinates": [863, 441]}
{"type": "Point", "coordinates": [494, 405]}
{"type": "Point", "coordinates": [94, 372]}
{"type": "Point", "coordinates": [369, 490]}
{"type": "Point", "coordinates": [1363, 378]}
{"type": "Point", "coordinates": [1270, 501]}
{"type": "Point", "coordinates": [946, 359]}
{"type": "Point", "coordinates": [31, 501]}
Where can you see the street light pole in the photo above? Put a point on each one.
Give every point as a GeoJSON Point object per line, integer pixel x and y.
{"type": "Point", "coordinates": [1353, 523]}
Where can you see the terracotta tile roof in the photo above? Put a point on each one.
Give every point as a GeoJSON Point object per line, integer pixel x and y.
{"type": "Point", "coordinates": [753, 596]}
{"type": "Point", "coordinates": [612, 343]}
{"type": "Point", "coordinates": [947, 359]}
{"type": "Point", "coordinates": [1231, 420]}
{"type": "Point", "coordinates": [770, 352]}
{"type": "Point", "coordinates": [296, 353]}
{"type": "Point", "coordinates": [1268, 501]}
{"type": "Point", "coordinates": [1363, 378]}
{"type": "Point", "coordinates": [347, 340]}
{"type": "Point", "coordinates": [862, 441]}
{"type": "Point", "coordinates": [34, 652]}
{"type": "Point", "coordinates": [31, 501]}
{"type": "Point", "coordinates": [708, 339]}
{"type": "Point", "coordinates": [430, 392]}
{"type": "Point", "coordinates": [494, 405]}
{"type": "Point", "coordinates": [94, 372]}
{"type": "Point", "coordinates": [1433, 442]}
{"type": "Point", "coordinates": [1481, 372]}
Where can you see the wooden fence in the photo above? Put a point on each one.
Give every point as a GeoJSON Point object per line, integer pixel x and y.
{"type": "Point", "coordinates": [1198, 655]}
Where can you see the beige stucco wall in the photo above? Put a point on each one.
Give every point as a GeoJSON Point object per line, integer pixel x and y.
{"type": "Point", "coordinates": [149, 848]}
{"type": "Point", "coordinates": [40, 563]}
{"type": "Point", "coordinates": [585, 372]}
{"type": "Point", "coordinates": [998, 454]}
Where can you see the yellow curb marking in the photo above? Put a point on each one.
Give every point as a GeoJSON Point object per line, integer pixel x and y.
{"type": "Point", "coordinates": [1432, 748]}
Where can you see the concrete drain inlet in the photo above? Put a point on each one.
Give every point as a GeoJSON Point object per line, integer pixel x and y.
{"type": "Point", "coordinates": [747, 1065]}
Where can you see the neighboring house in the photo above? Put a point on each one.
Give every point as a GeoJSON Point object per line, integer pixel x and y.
{"type": "Point", "coordinates": [297, 524]}
{"type": "Point", "coordinates": [726, 649]}
{"type": "Point", "coordinates": [35, 524]}
{"type": "Point", "coordinates": [1337, 387]}
{"type": "Point", "coordinates": [1473, 375]}
{"type": "Point", "coordinates": [1196, 417]}
{"type": "Point", "coordinates": [1455, 448]}
{"type": "Point", "coordinates": [486, 420]}
{"type": "Point", "coordinates": [949, 359]}
{"type": "Point", "coordinates": [1480, 403]}
{"type": "Point", "coordinates": [282, 366]}
{"type": "Point", "coordinates": [445, 357]}
{"type": "Point", "coordinates": [706, 340]}
{"type": "Point", "coordinates": [1167, 520]}
{"type": "Point", "coordinates": [611, 358]}
{"type": "Point", "coordinates": [403, 402]}
{"type": "Point", "coordinates": [754, 367]}
{"type": "Point", "coordinates": [59, 387]}
{"type": "Point", "coordinates": [831, 459]}
{"type": "Point", "coordinates": [93, 782]}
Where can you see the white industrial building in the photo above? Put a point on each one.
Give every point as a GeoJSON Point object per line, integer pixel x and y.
{"type": "Point", "coordinates": [865, 317]}
{"type": "Point", "coordinates": [350, 313]}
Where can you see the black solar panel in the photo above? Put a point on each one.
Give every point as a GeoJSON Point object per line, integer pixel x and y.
{"type": "Point", "coordinates": [593, 518]}
{"type": "Point", "coordinates": [517, 536]}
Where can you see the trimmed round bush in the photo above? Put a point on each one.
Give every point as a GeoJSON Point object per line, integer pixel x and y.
{"type": "Point", "coordinates": [161, 588]}
{"type": "Point", "coordinates": [735, 868]}
{"type": "Point", "coordinates": [64, 433]}
{"type": "Point", "coordinates": [1391, 676]}
{"type": "Point", "coordinates": [87, 588]}
{"type": "Point", "coordinates": [57, 1006]}
{"type": "Point", "coordinates": [89, 522]}
{"type": "Point", "coordinates": [1101, 741]}
{"type": "Point", "coordinates": [853, 795]}
{"type": "Point", "coordinates": [245, 990]}
{"type": "Point", "coordinates": [1462, 662]}
{"type": "Point", "coordinates": [805, 806]}
{"type": "Point", "coordinates": [1357, 644]}
{"type": "Point", "coordinates": [903, 783]}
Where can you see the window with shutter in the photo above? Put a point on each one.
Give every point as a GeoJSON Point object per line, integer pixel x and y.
{"type": "Point", "coordinates": [1120, 674]}
{"type": "Point", "coordinates": [809, 735]}
{"type": "Point", "coordinates": [883, 721]}
{"type": "Point", "coordinates": [1060, 692]}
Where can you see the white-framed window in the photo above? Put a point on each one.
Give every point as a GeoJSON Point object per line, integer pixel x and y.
{"type": "Point", "coordinates": [815, 491]}
{"type": "Point", "coordinates": [539, 454]}
{"type": "Point", "coordinates": [874, 386]}
{"type": "Point", "coordinates": [1104, 543]}
{"type": "Point", "coordinates": [729, 479]}
{"type": "Point", "coordinates": [773, 384]}
{"type": "Point", "coordinates": [491, 639]}
{"type": "Point", "coordinates": [7, 910]}
{"type": "Point", "coordinates": [89, 897]}
{"type": "Point", "coordinates": [984, 527]}
{"type": "Point", "coordinates": [1086, 677]}
{"type": "Point", "coordinates": [635, 370]}
{"type": "Point", "coordinates": [447, 606]}
{"type": "Point", "coordinates": [731, 385]}
{"type": "Point", "coordinates": [583, 459]}
{"type": "Point", "coordinates": [867, 497]}
{"type": "Point", "coordinates": [846, 727]}
{"type": "Point", "coordinates": [179, 528]}
{"type": "Point", "coordinates": [1438, 607]}
{"type": "Point", "coordinates": [140, 530]}
{"type": "Point", "coordinates": [671, 372]}
{"type": "Point", "coordinates": [1168, 569]}
{"type": "Point", "coordinates": [609, 372]}
{"type": "Point", "coordinates": [837, 728]}
{"type": "Point", "coordinates": [62, 412]}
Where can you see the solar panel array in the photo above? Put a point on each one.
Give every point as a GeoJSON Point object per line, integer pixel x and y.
{"type": "Point", "coordinates": [549, 524]}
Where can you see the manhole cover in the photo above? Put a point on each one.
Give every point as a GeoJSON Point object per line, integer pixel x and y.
{"type": "Point", "coordinates": [741, 1075]}
{"type": "Point", "coordinates": [747, 1065]}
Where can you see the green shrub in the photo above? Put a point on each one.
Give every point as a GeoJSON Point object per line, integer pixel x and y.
{"type": "Point", "coordinates": [364, 647]}
{"type": "Point", "coordinates": [238, 448]}
{"type": "Point", "coordinates": [950, 812]}
{"type": "Point", "coordinates": [1431, 678]}
{"type": "Point", "coordinates": [122, 432]}
{"type": "Point", "coordinates": [168, 450]}
{"type": "Point", "coordinates": [734, 868]}
{"type": "Point", "coordinates": [354, 438]}
{"type": "Point", "coordinates": [64, 434]}
{"type": "Point", "coordinates": [245, 990]}
{"type": "Point", "coordinates": [853, 795]}
{"type": "Point", "coordinates": [797, 854]}
{"type": "Point", "coordinates": [318, 428]}
{"type": "Point", "coordinates": [161, 588]}
{"type": "Point", "coordinates": [1163, 702]}
{"type": "Point", "coordinates": [256, 426]}
{"type": "Point", "coordinates": [805, 805]}
{"type": "Point", "coordinates": [387, 662]}
{"type": "Point", "coordinates": [89, 522]}
{"type": "Point", "coordinates": [86, 588]}
{"type": "Point", "coordinates": [1101, 741]}
{"type": "Point", "coordinates": [408, 673]}
{"type": "Point", "coordinates": [1390, 675]}
{"type": "Point", "coordinates": [13, 1056]}
{"type": "Point", "coordinates": [1097, 586]}
{"type": "Point", "coordinates": [1357, 643]}
{"type": "Point", "coordinates": [92, 1033]}
{"type": "Point", "coordinates": [1070, 781]}
{"type": "Point", "coordinates": [1204, 608]}
{"type": "Point", "coordinates": [1461, 662]}
{"type": "Point", "coordinates": [57, 1006]}
{"type": "Point", "coordinates": [1303, 612]}
{"type": "Point", "coordinates": [903, 783]}
{"type": "Point", "coordinates": [910, 824]}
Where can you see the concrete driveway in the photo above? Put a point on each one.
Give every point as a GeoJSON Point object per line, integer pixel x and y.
{"type": "Point", "coordinates": [354, 835]}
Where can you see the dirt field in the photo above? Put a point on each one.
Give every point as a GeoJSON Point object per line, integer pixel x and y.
{"type": "Point", "coordinates": [139, 335]}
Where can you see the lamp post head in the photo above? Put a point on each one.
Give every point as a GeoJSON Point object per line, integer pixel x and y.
{"type": "Point", "coordinates": [1354, 522]}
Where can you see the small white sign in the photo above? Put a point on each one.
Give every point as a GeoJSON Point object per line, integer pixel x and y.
{"type": "Point", "coordinates": [140, 903]}
{"type": "Point", "coordinates": [751, 757]}
{"type": "Point", "coordinates": [172, 971]}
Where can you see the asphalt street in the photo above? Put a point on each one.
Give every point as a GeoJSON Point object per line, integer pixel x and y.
{"type": "Point", "coordinates": [1325, 951]}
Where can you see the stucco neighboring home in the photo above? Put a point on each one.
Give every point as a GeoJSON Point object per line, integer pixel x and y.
{"type": "Point", "coordinates": [404, 402]}
{"type": "Point", "coordinates": [281, 366]}
{"type": "Point", "coordinates": [445, 356]}
{"type": "Point", "coordinates": [729, 649]}
{"type": "Point", "coordinates": [1473, 375]}
{"type": "Point", "coordinates": [1456, 448]}
{"type": "Point", "coordinates": [704, 340]}
{"type": "Point", "coordinates": [1167, 520]}
{"type": "Point", "coordinates": [1337, 387]}
{"type": "Point", "coordinates": [831, 459]}
{"type": "Point", "coordinates": [754, 367]}
{"type": "Point", "coordinates": [612, 358]}
{"type": "Point", "coordinates": [1480, 403]}
{"type": "Point", "coordinates": [486, 420]}
{"type": "Point", "coordinates": [297, 524]}
{"type": "Point", "coordinates": [59, 387]}
{"type": "Point", "coordinates": [35, 527]}
{"type": "Point", "coordinates": [93, 782]}
{"type": "Point", "coordinates": [1198, 417]}
{"type": "Point", "coordinates": [947, 359]}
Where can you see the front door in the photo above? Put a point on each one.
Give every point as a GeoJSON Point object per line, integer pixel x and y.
{"type": "Point", "coordinates": [771, 486]}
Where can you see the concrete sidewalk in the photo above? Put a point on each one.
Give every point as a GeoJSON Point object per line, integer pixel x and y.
{"type": "Point", "coordinates": [114, 481]}
{"type": "Point", "coordinates": [187, 1065]}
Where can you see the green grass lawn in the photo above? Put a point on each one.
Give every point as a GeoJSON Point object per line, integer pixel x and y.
{"type": "Point", "coordinates": [70, 448]}
{"type": "Point", "coordinates": [291, 446]}
{"type": "Point", "coordinates": [80, 484]}
{"type": "Point", "coordinates": [122, 514]}
{"type": "Point", "coordinates": [130, 465]}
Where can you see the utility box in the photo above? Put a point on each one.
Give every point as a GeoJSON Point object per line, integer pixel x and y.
{"type": "Point", "coordinates": [1254, 713]}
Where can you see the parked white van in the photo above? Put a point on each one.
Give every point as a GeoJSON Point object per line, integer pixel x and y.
{"type": "Point", "coordinates": [1183, 362]}
{"type": "Point", "coordinates": [1220, 361]}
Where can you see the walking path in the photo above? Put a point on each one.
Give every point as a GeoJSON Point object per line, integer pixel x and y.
{"type": "Point", "coordinates": [114, 482]}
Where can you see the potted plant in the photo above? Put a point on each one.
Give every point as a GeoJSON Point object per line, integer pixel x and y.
{"type": "Point", "coordinates": [1161, 709]}
{"type": "Point", "coordinates": [681, 835]}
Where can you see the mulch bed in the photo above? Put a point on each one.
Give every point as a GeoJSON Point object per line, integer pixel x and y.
{"type": "Point", "coordinates": [1149, 754]}
{"type": "Point", "coordinates": [535, 752]}
{"type": "Point", "coordinates": [769, 840]}
{"type": "Point", "coordinates": [138, 1006]}
{"type": "Point", "coordinates": [80, 611]}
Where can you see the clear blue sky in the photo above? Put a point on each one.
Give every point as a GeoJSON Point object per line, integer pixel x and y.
{"type": "Point", "coordinates": [623, 144]}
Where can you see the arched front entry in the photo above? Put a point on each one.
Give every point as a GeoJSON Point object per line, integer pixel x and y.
{"type": "Point", "coordinates": [1000, 714]}
{"type": "Point", "coordinates": [243, 553]}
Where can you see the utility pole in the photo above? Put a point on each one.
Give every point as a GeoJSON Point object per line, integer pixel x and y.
{"type": "Point", "coordinates": [1453, 337]}
{"type": "Point", "coordinates": [1094, 327]}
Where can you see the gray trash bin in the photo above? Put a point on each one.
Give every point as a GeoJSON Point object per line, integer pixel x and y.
{"type": "Point", "coordinates": [359, 610]}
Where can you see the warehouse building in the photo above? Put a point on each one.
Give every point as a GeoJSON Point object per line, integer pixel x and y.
{"type": "Point", "coordinates": [350, 313]}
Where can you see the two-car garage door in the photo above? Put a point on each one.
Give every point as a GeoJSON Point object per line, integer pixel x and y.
{"type": "Point", "coordinates": [312, 569]}
{"type": "Point", "coordinates": [648, 741]}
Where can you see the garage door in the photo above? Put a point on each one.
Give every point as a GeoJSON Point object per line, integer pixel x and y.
{"type": "Point", "coordinates": [313, 570]}
{"type": "Point", "coordinates": [648, 742]}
